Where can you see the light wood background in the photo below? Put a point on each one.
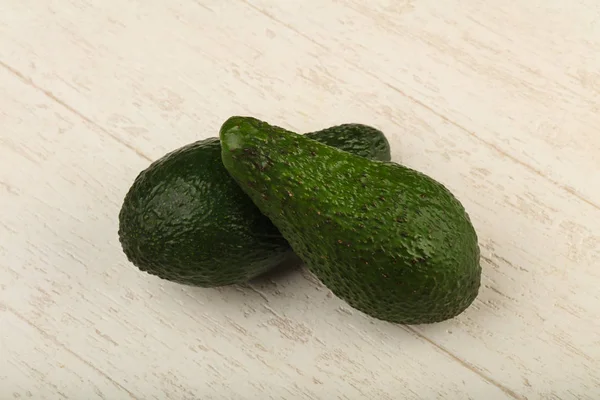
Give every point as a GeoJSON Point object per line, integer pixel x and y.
{"type": "Point", "coordinates": [499, 100]}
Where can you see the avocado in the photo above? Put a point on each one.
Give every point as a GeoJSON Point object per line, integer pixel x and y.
{"type": "Point", "coordinates": [184, 219]}
{"type": "Point", "coordinates": [388, 240]}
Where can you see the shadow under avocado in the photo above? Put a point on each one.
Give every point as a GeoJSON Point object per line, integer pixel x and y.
{"type": "Point", "coordinates": [290, 265]}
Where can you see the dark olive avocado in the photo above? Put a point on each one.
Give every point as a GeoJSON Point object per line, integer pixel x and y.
{"type": "Point", "coordinates": [185, 219]}
{"type": "Point", "coordinates": [390, 241]}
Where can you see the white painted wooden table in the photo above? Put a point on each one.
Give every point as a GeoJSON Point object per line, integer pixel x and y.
{"type": "Point", "coordinates": [499, 100]}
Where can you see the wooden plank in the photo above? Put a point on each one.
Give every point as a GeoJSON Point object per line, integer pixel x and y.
{"type": "Point", "coordinates": [34, 365]}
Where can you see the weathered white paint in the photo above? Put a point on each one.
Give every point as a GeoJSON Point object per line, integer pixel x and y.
{"type": "Point", "coordinates": [498, 100]}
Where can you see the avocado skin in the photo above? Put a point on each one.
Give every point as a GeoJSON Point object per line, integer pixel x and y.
{"type": "Point", "coordinates": [185, 220]}
{"type": "Point", "coordinates": [390, 241]}
{"type": "Point", "coordinates": [362, 140]}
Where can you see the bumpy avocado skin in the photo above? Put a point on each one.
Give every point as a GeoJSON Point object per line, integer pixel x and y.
{"type": "Point", "coordinates": [185, 219]}
{"type": "Point", "coordinates": [362, 140]}
{"type": "Point", "coordinates": [390, 241]}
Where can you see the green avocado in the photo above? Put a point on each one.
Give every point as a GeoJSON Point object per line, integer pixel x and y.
{"type": "Point", "coordinates": [390, 241]}
{"type": "Point", "coordinates": [185, 220]}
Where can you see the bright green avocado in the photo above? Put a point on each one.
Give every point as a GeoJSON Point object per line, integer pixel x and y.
{"type": "Point", "coordinates": [390, 241]}
{"type": "Point", "coordinates": [186, 220]}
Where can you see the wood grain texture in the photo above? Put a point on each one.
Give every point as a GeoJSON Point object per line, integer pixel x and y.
{"type": "Point", "coordinates": [499, 101]}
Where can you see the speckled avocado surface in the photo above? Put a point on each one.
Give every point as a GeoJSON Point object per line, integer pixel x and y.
{"type": "Point", "coordinates": [186, 220]}
{"type": "Point", "coordinates": [390, 241]}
